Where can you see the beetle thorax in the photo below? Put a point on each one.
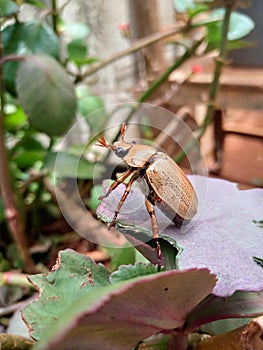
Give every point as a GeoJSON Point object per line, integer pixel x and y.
{"type": "Point", "coordinates": [139, 156]}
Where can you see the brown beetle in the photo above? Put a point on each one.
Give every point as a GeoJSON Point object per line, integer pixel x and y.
{"type": "Point", "coordinates": [160, 178]}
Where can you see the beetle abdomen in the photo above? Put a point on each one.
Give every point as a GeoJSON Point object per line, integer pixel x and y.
{"type": "Point", "coordinates": [176, 196]}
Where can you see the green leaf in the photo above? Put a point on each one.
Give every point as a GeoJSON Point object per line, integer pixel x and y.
{"type": "Point", "coordinates": [36, 3]}
{"type": "Point", "coordinates": [27, 159]}
{"type": "Point", "coordinates": [73, 275]}
{"type": "Point", "coordinates": [69, 165]}
{"type": "Point", "coordinates": [75, 30]}
{"type": "Point", "coordinates": [238, 44]}
{"type": "Point", "coordinates": [89, 60]}
{"type": "Point", "coordinates": [7, 8]}
{"type": "Point", "coordinates": [121, 256]}
{"type": "Point", "coordinates": [14, 119]}
{"type": "Point", "coordinates": [158, 342]}
{"type": "Point", "coordinates": [4, 264]}
{"type": "Point", "coordinates": [240, 26]}
{"type": "Point", "coordinates": [170, 253]}
{"type": "Point", "coordinates": [127, 272]}
{"type": "Point", "coordinates": [222, 326]}
{"type": "Point", "coordinates": [82, 91]}
{"type": "Point", "coordinates": [30, 142]}
{"type": "Point", "coordinates": [77, 51]}
{"type": "Point", "coordinates": [183, 5]}
{"type": "Point", "coordinates": [213, 36]}
{"type": "Point", "coordinates": [213, 308]}
{"type": "Point", "coordinates": [24, 39]}
{"type": "Point", "coordinates": [46, 94]}
{"type": "Point", "coordinates": [2, 210]}
{"type": "Point", "coordinates": [190, 7]}
{"type": "Point", "coordinates": [28, 38]}
{"type": "Point", "coordinates": [95, 193]}
{"type": "Point", "coordinates": [77, 304]}
{"type": "Point", "coordinates": [92, 108]}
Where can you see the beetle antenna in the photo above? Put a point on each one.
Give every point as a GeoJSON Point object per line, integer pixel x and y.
{"type": "Point", "coordinates": [102, 142]}
{"type": "Point", "coordinates": [123, 129]}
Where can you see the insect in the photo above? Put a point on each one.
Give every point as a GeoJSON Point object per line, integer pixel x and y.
{"type": "Point", "coordinates": [161, 180]}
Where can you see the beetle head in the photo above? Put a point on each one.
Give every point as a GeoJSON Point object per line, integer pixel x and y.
{"type": "Point", "coordinates": [120, 148]}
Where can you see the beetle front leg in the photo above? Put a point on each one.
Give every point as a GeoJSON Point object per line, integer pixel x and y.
{"type": "Point", "coordinates": [115, 184]}
{"type": "Point", "coordinates": [155, 230]}
{"type": "Point", "coordinates": [134, 176]}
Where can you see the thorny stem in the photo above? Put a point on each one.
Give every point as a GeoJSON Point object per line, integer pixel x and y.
{"type": "Point", "coordinates": [162, 79]}
{"type": "Point", "coordinates": [158, 82]}
{"type": "Point", "coordinates": [214, 87]}
{"type": "Point", "coordinates": [55, 16]}
{"type": "Point", "coordinates": [138, 45]}
{"type": "Point", "coordinates": [220, 61]}
{"type": "Point", "coordinates": [12, 213]}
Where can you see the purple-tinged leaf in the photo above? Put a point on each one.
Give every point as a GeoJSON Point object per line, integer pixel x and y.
{"type": "Point", "coordinates": [120, 315]}
{"type": "Point", "coordinates": [213, 308]}
{"type": "Point", "coordinates": [222, 237]}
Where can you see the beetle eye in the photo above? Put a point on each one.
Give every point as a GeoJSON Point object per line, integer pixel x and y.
{"type": "Point", "coordinates": [121, 152]}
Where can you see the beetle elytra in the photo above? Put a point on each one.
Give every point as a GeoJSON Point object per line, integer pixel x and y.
{"type": "Point", "coordinates": [161, 180]}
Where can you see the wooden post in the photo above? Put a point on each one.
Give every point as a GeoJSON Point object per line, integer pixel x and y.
{"type": "Point", "coordinates": [145, 21]}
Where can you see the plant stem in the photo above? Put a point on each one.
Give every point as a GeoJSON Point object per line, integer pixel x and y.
{"type": "Point", "coordinates": [12, 213]}
{"type": "Point", "coordinates": [214, 87]}
{"type": "Point", "coordinates": [220, 62]}
{"type": "Point", "coordinates": [138, 45]}
{"type": "Point", "coordinates": [55, 16]}
{"type": "Point", "coordinates": [163, 78]}
{"type": "Point", "coordinates": [14, 279]}
{"type": "Point", "coordinates": [158, 82]}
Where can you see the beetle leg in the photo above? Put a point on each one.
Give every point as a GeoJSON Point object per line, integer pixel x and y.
{"type": "Point", "coordinates": [155, 229]}
{"type": "Point", "coordinates": [117, 182]}
{"type": "Point", "coordinates": [151, 212]}
{"type": "Point", "coordinates": [134, 176]}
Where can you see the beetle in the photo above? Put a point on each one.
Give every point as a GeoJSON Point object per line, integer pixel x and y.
{"type": "Point", "coordinates": [161, 180]}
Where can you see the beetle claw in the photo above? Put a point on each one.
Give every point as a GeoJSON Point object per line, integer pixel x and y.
{"type": "Point", "coordinates": [111, 224]}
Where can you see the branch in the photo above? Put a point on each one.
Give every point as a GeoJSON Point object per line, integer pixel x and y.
{"type": "Point", "coordinates": [9, 58]}
{"type": "Point", "coordinates": [138, 45]}
{"type": "Point", "coordinates": [14, 279]}
{"type": "Point", "coordinates": [214, 87]}
{"type": "Point", "coordinates": [220, 62]}
{"type": "Point", "coordinates": [158, 82]}
{"type": "Point", "coordinates": [12, 213]}
{"type": "Point", "coordinates": [82, 220]}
